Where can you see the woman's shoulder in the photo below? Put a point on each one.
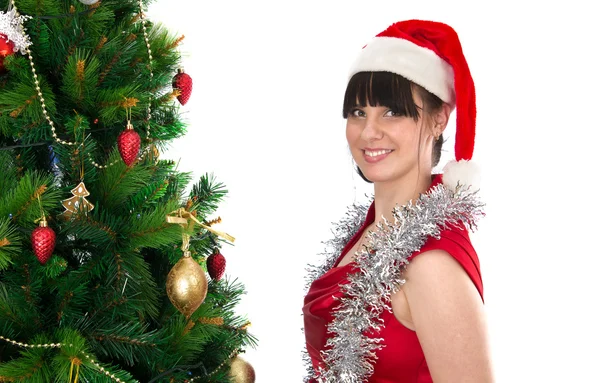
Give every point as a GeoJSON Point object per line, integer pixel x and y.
{"type": "Point", "coordinates": [455, 241]}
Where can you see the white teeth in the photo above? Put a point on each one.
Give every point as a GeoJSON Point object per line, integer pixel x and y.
{"type": "Point", "coordinates": [376, 153]}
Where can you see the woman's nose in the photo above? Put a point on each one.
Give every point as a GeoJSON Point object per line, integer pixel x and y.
{"type": "Point", "coordinates": [372, 130]}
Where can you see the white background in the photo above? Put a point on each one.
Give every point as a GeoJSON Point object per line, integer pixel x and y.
{"type": "Point", "coordinates": [265, 117]}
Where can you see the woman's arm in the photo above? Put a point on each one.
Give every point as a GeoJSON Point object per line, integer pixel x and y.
{"type": "Point", "coordinates": [448, 314]}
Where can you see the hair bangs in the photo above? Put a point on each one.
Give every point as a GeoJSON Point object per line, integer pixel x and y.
{"type": "Point", "coordinates": [380, 89]}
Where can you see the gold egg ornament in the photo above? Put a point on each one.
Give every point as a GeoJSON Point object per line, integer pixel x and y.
{"type": "Point", "coordinates": [241, 371]}
{"type": "Point", "coordinates": [187, 285]}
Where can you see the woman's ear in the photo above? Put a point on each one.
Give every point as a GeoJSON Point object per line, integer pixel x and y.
{"type": "Point", "coordinates": [442, 117]}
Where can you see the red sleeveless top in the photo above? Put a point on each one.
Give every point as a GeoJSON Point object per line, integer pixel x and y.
{"type": "Point", "coordinates": [401, 360]}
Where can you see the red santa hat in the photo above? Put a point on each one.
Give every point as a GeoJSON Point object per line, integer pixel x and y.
{"type": "Point", "coordinates": [429, 54]}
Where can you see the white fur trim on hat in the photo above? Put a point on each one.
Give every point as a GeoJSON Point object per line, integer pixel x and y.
{"type": "Point", "coordinates": [462, 172]}
{"type": "Point", "coordinates": [420, 65]}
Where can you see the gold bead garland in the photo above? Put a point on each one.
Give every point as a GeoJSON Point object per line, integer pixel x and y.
{"type": "Point", "coordinates": [102, 369]}
{"type": "Point", "coordinates": [25, 345]}
{"type": "Point", "coordinates": [42, 100]}
{"type": "Point", "coordinates": [148, 110]}
{"type": "Point", "coordinates": [37, 83]}
{"type": "Point", "coordinates": [59, 345]}
{"type": "Point", "coordinates": [233, 354]}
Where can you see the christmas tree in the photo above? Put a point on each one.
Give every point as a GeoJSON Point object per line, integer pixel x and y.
{"type": "Point", "coordinates": [104, 246]}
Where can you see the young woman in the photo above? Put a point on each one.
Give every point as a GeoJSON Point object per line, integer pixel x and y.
{"type": "Point", "coordinates": [399, 299]}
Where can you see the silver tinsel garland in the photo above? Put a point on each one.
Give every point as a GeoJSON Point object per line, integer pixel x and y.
{"type": "Point", "coordinates": [350, 353]}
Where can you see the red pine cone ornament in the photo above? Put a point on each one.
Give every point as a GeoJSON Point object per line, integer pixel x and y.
{"type": "Point", "coordinates": [43, 240]}
{"type": "Point", "coordinates": [216, 265]}
{"type": "Point", "coordinates": [129, 145]}
{"type": "Point", "coordinates": [6, 49]}
{"type": "Point", "coordinates": [183, 82]}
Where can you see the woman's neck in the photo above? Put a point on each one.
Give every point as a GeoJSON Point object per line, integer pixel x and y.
{"type": "Point", "coordinates": [399, 192]}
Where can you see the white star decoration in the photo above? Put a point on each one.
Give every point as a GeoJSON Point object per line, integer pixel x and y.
{"type": "Point", "coordinates": [11, 26]}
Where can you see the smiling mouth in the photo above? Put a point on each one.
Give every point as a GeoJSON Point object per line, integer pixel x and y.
{"type": "Point", "coordinates": [373, 156]}
{"type": "Point", "coordinates": [375, 153]}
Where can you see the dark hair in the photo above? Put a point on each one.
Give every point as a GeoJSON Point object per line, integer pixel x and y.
{"type": "Point", "coordinates": [395, 92]}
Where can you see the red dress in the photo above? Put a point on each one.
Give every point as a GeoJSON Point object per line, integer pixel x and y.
{"type": "Point", "coordinates": [401, 360]}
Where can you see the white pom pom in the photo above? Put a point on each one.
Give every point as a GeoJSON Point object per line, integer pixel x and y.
{"type": "Point", "coordinates": [462, 172]}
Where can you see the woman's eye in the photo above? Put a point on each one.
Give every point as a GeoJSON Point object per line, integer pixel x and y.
{"type": "Point", "coordinates": [357, 113]}
{"type": "Point", "coordinates": [391, 113]}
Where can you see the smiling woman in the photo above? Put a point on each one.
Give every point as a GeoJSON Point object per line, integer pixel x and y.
{"type": "Point", "coordinates": [400, 299]}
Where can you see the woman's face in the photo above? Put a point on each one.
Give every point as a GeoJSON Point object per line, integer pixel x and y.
{"type": "Point", "coordinates": [386, 146]}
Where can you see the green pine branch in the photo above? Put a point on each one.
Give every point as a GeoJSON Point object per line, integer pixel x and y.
{"type": "Point", "coordinates": [182, 346]}
{"type": "Point", "coordinates": [118, 183]}
{"type": "Point", "coordinates": [150, 194]}
{"type": "Point", "coordinates": [71, 299]}
{"type": "Point", "coordinates": [151, 229]}
{"type": "Point", "coordinates": [74, 347]}
{"type": "Point", "coordinates": [73, 162]}
{"type": "Point", "coordinates": [207, 194]}
{"type": "Point", "coordinates": [80, 78]}
{"type": "Point", "coordinates": [31, 367]}
{"type": "Point", "coordinates": [129, 342]}
{"type": "Point", "coordinates": [133, 279]}
{"type": "Point", "coordinates": [20, 101]}
{"type": "Point", "coordinates": [10, 310]}
{"type": "Point", "coordinates": [98, 229]}
{"type": "Point", "coordinates": [22, 203]}
{"type": "Point", "coordinates": [10, 243]}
